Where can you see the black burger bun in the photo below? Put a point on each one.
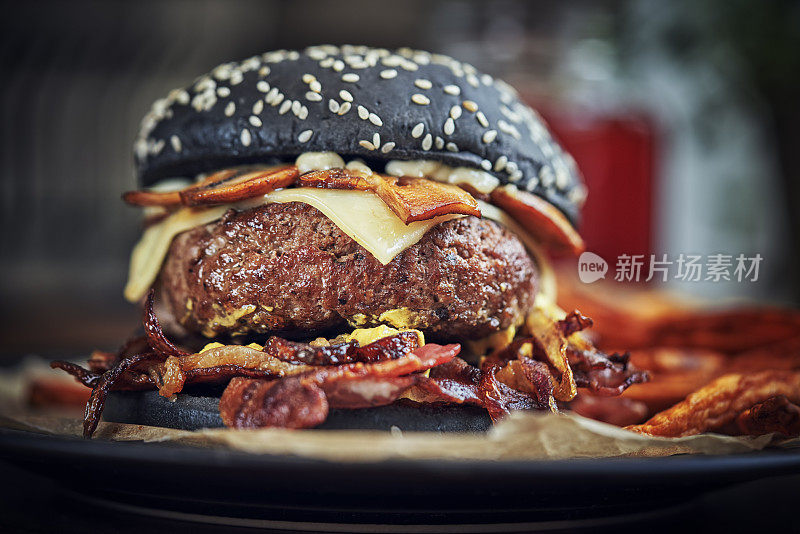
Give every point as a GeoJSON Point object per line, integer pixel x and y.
{"type": "Point", "coordinates": [201, 410]}
{"type": "Point", "coordinates": [362, 102]}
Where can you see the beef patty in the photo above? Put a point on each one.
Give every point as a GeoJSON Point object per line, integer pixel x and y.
{"type": "Point", "coordinates": [287, 269]}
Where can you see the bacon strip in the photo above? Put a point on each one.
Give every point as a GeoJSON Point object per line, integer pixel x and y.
{"type": "Point", "coordinates": [499, 398]}
{"type": "Point", "coordinates": [219, 363]}
{"type": "Point", "coordinates": [250, 403]}
{"type": "Point", "coordinates": [573, 323]}
{"type": "Point", "coordinates": [540, 218]}
{"type": "Point", "coordinates": [602, 374]}
{"type": "Point", "coordinates": [386, 348]}
{"type": "Point", "coordinates": [239, 185]}
{"type": "Point", "coordinates": [302, 401]}
{"type": "Point", "coordinates": [279, 358]}
{"type": "Point", "coordinates": [455, 382]}
{"type": "Point", "coordinates": [367, 392]}
{"type": "Point", "coordinates": [549, 345]}
{"type": "Point", "coordinates": [411, 199]}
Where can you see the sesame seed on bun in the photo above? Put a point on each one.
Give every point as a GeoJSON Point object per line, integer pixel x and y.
{"type": "Point", "coordinates": [357, 101]}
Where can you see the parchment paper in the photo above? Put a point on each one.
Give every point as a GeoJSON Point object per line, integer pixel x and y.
{"type": "Point", "coordinates": [521, 436]}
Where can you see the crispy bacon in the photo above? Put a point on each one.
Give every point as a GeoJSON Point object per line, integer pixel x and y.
{"type": "Point", "coordinates": [152, 198]}
{"type": "Point", "coordinates": [302, 401]}
{"type": "Point", "coordinates": [239, 185]}
{"type": "Point", "coordinates": [219, 363]}
{"type": "Point", "coordinates": [499, 398]}
{"type": "Point", "coordinates": [279, 357]}
{"type": "Point", "coordinates": [411, 199]}
{"type": "Point", "coordinates": [248, 403]}
{"type": "Point", "coordinates": [573, 323]}
{"type": "Point", "coordinates": [540, 218]}
{"type": "Point", "coordinates": [602, 374]}
{"type": "Point", "coordinates": [454, 382]}
{"type": "Point", "coordinates": [368, 391]}
{"type": "Point", "coordinates": [386, 348]}
{"type": "Point", "coordinates": [101, 361]}
{"type": "Point", "coordinates": [549, 345]}
{"type": "Point", "coordinates": [294, 352]}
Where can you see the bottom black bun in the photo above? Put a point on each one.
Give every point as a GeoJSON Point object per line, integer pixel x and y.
{"type": "Point", "coordinates": [193, 412]}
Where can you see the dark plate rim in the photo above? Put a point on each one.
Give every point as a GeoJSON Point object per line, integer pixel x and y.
{"type": "Point", "coordinates": [756, 464]}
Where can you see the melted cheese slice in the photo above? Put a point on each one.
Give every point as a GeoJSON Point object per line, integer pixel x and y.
{"type": "Point", "coordinates": [360, 214]}
{"type": "Point", "coordinates": [363, 216]}
{"type": "Point", "coordinates": [152, 248]}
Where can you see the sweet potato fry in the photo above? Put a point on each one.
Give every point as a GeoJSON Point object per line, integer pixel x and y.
{"type": "Point", "coordinates": [776, 414]}
{"type": "Point", "coordinates": [728, 331]}
{"type": "Point", "coordinates": [612, 410]}
{"type": "Point", "coordinates": [719, 403]}
{"type": "Point", "coordinates": [675, 373]}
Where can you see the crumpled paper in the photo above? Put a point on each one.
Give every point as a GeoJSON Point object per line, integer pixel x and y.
{"type": "Point", "coordinates": [521, 436]}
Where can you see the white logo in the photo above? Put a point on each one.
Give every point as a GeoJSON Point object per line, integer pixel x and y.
{"type": "Point", "coordinates": [591, 267]}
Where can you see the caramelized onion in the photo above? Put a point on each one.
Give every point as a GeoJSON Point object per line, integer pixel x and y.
{"type": "Point", "coordinates": [97, 400]}
{"type": "Point", "coordinates": [155, 335]}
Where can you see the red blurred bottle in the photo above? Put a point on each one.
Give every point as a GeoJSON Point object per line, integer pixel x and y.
{"type": "Point", "coordinates": [615, 151]}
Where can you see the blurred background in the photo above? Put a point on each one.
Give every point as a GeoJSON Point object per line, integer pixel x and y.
{"type": "Point", "coordinates": [683, 117]}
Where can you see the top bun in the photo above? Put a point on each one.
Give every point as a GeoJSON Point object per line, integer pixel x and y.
{"type": "Point", "coordinates": [357, 101]}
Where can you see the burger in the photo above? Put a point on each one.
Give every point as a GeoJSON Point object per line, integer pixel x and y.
{"type": "Point", "coordinates": [348, 237]}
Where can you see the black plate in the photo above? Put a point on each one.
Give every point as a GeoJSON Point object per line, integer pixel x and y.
{"type": "Point", "coordinates": [238, 488]}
